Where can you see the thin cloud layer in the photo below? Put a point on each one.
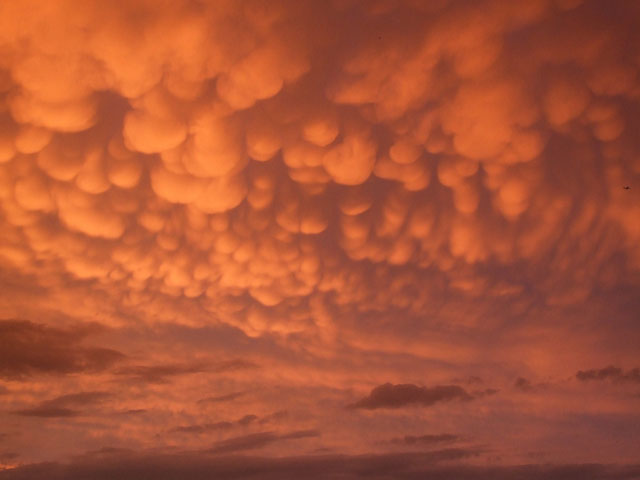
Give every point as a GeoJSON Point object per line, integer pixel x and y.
{"type": "Point", "coordinates": [64, 406]}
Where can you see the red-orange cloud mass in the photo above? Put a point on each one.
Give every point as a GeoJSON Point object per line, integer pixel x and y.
{"type": "Point", "coordinates": [350, 222]}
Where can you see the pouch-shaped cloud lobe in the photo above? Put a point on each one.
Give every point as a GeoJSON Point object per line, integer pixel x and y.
{"type": "Point", "coordinates": [438, 188]}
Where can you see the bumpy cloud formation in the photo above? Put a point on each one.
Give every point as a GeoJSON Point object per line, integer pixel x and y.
{"type": "Point", "coordinates": [282, 204]}
{"type": "Point", "coordinates": [260, 161]}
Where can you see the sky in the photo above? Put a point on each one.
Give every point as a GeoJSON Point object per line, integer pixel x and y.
{"type": "Point", "coordinates": [319, 239]}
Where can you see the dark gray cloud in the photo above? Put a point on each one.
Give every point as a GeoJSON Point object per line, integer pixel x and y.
{"type": "Point", "coordinates": [4, 456]}
{"type": "Point", "coordinates": [161, 373]}
{"type": "Point", "coordinates": [487, 392]}
{"type": "Point", "coordinates": [123, 465]}
{"type": "Point", "coordinates": [426, 440]}
{"type": "Point", "coordinates": [204, 428]}
{"type": "Point", "coordinates": [133, 411]}
{"type": "Point", "coordinates": [225, 425]}
{"type": "Point", "coordinates": [247, 420]}
{"type": "Point", "coordinates": [257, 440]}
{"type": "Point", "coordinates": [523, 384]}
{"type": "Point", "coordinates": [274, 417]}
{"type": "Point", "coordinates": [222, 398]}
{"type": "Point", "coordinates": [396, 396]}
{"type": "Point", "coordinates": [28, 348]}
{"type": "Point", "coordinates": [610, 373]}
{"type": "Point", "coordinates": [64, 406]}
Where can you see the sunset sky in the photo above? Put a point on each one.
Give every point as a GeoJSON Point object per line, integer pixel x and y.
{"type": "Point", "coordinates": [347, 239]}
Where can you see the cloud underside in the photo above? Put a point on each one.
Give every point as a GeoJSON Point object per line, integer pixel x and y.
{"type": "Point", "coordinates": [277, 169]}
{"type": "Point", "coordinates": [397, 466]}
{"type": "Point", "coordinates": [273, 204]}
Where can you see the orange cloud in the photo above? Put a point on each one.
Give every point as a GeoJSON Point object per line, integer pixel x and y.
{"type": "Point", "coordinates": [443, 180]}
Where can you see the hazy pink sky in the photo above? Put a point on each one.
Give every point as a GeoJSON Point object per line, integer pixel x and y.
{"type": "Point", "coordinates": [319, 239]}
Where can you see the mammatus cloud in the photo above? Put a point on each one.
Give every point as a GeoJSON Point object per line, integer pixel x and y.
{"type": "Point", "coordinates": [237, 164]}
{"type": "Point", "coordinates": [615, 374]}
{"type": "Point", "coordinates": [396, 396]}
{"type": "Point", "coordinates": [302, 199]}
{"type": "Point", "coordinates": [28, 348]}
{"type": "Point", "coordinates": [64, 406]}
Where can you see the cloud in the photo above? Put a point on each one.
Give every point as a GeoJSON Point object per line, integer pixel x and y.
{"type": "Point", "coordinates": [222, 398]}
{"type": "Point", "coordinates": [160, 373]}
{"type": "Point", "coordinates": [69, 405]}
{"type": "Point", "coordinates": [257, 440]}
{"type": "Point", "coordinates": [428, 186]}
{"type": "Point", "coordinates": [4, 456]}
{"type": "Point", "coordinates": [212, 427]}
{"type": "Point", "coordinates": [523, 384]}
{"type": "Point", "coordinates": [207, 172]}
{"type": "Point", "coordinates": [274, 417]}
{"type": "Point", "coordinates": [405, 466]}
{"type": "Point", "coordinates": [134, 411]}
{"type": "Point", "coordinates": [484, 393]}
{"type": "Point", "coordinates": [397, 396]}
{"type": "Point", "coordinates": [615, 374]}
{"type": "Point", "coordinates": [28, 348]}
{"type": "Point", "coordinates": [205, 428]}
{"type": "Point", "coordinates": [426, 440]}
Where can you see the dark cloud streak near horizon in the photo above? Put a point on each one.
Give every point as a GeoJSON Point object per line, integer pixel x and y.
{"type": "Point", "coordinates": [401, 466]}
